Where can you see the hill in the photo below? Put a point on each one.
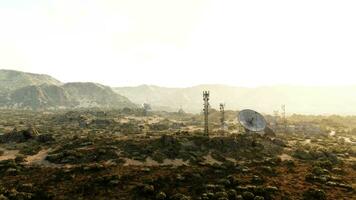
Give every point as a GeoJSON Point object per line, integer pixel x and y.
{"type": "Point", "coordinates": [298, 99]}
{"type": "Point", "coordinates": [95, 95]}
{"type": "Point", "coordinates": [23, 90]}
{"type": "Point", "coordinates": [36, 97]}
{"type": "Point", "coordinates": [12, 80]}
{"type": "Point", "coordinates": [20, 90]}
{"type": "Point", "coordinates": [70, 95]}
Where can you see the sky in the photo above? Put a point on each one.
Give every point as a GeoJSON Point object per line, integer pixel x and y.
{"type": "Point", "coordinates": [180, 43]}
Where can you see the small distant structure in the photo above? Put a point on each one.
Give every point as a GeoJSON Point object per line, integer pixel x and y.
{"type": "Point", "coordinates": [206, 95]}
{"type": "Point", "coordinates": [181, 111]}
{"type": "Point", "coordinates": [307, 128]}
{"type": "Point", "coordinates": [283, 107]}
{"type": "Point", "coordinates": [222, 118]}
{"type": "Point", "coordinates": [146, 108]}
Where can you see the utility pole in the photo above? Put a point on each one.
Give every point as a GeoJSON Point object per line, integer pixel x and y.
{"type": "Point", "coordinates": [222, 112]}
{"type": "Point", "coordinates": [206, 112]}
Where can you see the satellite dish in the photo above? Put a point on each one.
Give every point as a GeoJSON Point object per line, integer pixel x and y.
{"type": "Point", "coordinates": [252, 120]}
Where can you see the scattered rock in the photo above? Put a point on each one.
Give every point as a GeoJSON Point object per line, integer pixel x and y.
{"type": "Point", "coordinates": [161, 196]}
{"type": "Point", "coordinates": [257, 180]}
{"type": "Point", "coordinates": [148, 189]}
{"type": "Point", "coordinates": [314, 194]}
{"type": "Point", "coordinates": [19, 136]}
{"type": "Point", "coordinates": [180, 196]}
{"type": "Point", "coordinates": [248, 195]}
{"type": "Point", "coordinates": [279, 142]}
{"type": "Point", "coordinates": [44, 138]}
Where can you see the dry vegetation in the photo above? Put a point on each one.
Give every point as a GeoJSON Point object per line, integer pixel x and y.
{"type": "Point", "coordinates": [122, 154]}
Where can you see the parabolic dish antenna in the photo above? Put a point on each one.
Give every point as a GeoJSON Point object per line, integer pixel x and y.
{"type": "Point", "coordinates": [252, 120]}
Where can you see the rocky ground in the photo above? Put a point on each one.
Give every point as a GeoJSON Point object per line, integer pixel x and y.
{"type": "Point", "coordinates": [125, 155]}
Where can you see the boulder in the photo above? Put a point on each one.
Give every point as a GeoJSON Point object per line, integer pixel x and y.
{"type": "Point", "coordinates": [314, 194]}
{"type": "Point", "coordinates": [161, 196]}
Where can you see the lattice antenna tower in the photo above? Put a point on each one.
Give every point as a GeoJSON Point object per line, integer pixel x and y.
{"type": "Point", "coordinates": [284, 117]}
{"type": "Point", "coordinates": [222, 112]}
{"type": "Point", "coordinates": [146, 108]}
{"type": "Point", "coordinates": [206, 112]}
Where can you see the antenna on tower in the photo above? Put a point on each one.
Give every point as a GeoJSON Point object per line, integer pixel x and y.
{"type": "Point", "coordinates": [206, 112]}
{"type": "Point", "coordinates": [146, 107]}
{"type": "Point", "coordinates": [284, 118]}
{"type": "Point", "coordinates": [222, 112]}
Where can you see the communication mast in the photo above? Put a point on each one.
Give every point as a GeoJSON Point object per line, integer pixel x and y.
{"type": "Point", "coordinates": [222, 112]}
{"type": "Point", "coordinates": [146, 108]}
{"type": "Point", "coordinates": [284, 118]}
{"type": "Point", "coordinates": [206, 112]}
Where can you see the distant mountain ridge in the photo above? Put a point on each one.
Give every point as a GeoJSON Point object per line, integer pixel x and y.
{"type": "Point", "coordinates": [20, 90]}
{"type": "Point", "coordinates": [12, 80]}
{"type": "Point", "coordinates": [42, 96]}
{"type": "Point", "coordinates": [23, 90]}
{"type": "Point", "coordinates": [87, 94]}
{"type": "Point", "coordinates": [298, 99]}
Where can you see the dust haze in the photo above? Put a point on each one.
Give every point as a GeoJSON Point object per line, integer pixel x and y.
{"type": "Point", "coordinates": [177, 100]}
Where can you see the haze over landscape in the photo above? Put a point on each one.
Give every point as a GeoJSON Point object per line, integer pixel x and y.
{"type": "Point", "coordinates": [254, 54]}
{"type": "Point", "coordinates": [35, 91]}
{"type": "Point", "coordinates": [182, 43]}
{"type": "Point", "coordinates": [177, 99]}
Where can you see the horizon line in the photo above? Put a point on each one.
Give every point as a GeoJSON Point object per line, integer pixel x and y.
{"type": "Point", "coordinates": [191, 86]}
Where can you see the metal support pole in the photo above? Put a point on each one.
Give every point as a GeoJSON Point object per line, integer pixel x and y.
{"type": "Point", "coordinates": [222, 119]}
{"type": "Point", "coordinates": [284, 118]}
{"type": "Point", "coordinates": [206, 112]}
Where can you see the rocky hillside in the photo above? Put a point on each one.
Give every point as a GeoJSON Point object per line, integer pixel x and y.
{"type": "Point", "coordinates": [12, 80]}
{"type": "Point", "coordinates": [95, 95]}
{"type": "Point", "coordinates": [36, 97]}
{"type": "Point", "coordinates": [298, 99]}
{"type": "Point", "coordinates": [20, 90]}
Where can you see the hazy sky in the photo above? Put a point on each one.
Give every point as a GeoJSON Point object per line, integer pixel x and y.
{"type": "Point", "coordinates": [182, 42]}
